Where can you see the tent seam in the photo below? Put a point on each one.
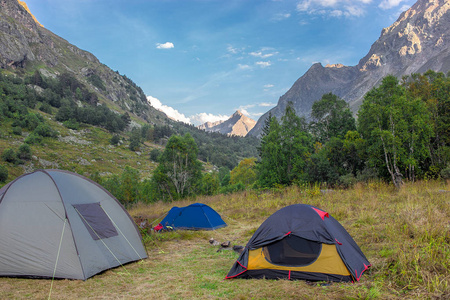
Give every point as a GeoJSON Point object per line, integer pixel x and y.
{"type": "Point", "coordinates": [67, 217]}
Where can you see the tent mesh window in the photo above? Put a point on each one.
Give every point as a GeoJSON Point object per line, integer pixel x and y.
{"type": "Point", "coordinates": [96, 221]}
{"type": "Point", "coordinates": [292, 251]}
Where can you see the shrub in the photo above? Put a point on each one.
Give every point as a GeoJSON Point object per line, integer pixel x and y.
{"type": "Point", "coordinates": [232, 188]}
{"type": "Point", "coordinates": [45, 130]}
{"type": "Point", "coordinates": [347, 180]}
{"type": "Point", "coordinates": [115, 139]}
{"type": "Point", "coordinates": [154, 155]}
{"type": "Point", "coordinates": [72, 124]}
{"type": "Point", "coordinates": [3, 173]}
{"type": "Point", "coordinates": [17, 130]}
{"type": "Point", "coordinates": [445, 173]}
{"type": "Point", "coordinates": [32, 121]}
{"type": "Point", "coordinates": [9, 155]}
{"type": "Point", "coordinates": [96, 81]}
{"type": "Point", "coordinates": [135, 140]}
{"type": "Point", "coordinates": [33, 139]}
{"type": "Point", "coordinates": [45, 107]}
{"type": "Point", "coordinates": [367, 175]}
{"type": "Point", "coordinates": [24, 152]}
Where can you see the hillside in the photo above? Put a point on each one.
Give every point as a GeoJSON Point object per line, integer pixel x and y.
{"type": "Point", "coordinates": [26, 47]}
{"type": "Point", "coordinates": [416, 42]}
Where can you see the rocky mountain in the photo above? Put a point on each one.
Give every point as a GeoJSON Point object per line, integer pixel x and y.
{"type": "Point", "coordinates": [237, 124]}
{"type": "Point", "coordinates": [418, 41]}
{"type": "Point", "coordinates": [26, 46]}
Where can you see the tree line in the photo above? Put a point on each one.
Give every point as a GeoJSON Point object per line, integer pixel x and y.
{"type": "Point", "coordinates": [402, 132]}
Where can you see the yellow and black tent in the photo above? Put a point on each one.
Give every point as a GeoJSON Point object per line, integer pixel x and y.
{"type": "Point", "coordinates": [301, 242]}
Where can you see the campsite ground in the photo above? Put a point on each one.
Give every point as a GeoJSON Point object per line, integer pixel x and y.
{"type": "Point", "coordinates": [404, 234]}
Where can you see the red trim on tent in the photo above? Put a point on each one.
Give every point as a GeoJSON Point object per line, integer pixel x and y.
{"type": "Point", "coordinates": [288, 233]}
{"type": "Point", "coordinates": [365, 269]}
{"type": "Point", "coordinates": [226, 277]}
{"type": "Point", "coordinates": [321, 213]}
{"type": "Point", "coordinates": [339, 243]}
{"type": "Point", "coordinates": [241, 265]}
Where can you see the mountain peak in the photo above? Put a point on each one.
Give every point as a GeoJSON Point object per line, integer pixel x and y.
{"type": "Point", "coordinates": [237, 113]}
{"type": "Point", "coordinates": [24, 5]}
{"type": "Point", "coordinates": [237, 124]}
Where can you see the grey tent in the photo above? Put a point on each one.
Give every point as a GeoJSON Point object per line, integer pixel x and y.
{"type": "Point", "coordinates": [59, 224]}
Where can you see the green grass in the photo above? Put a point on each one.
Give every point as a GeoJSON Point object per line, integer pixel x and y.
{"type": "Point", "coordinates": [404, 234]}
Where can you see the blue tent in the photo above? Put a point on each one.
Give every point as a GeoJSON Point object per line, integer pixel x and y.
{"type": "Point", "coordinates": [196, 216]}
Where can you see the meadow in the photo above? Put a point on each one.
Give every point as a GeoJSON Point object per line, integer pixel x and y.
{"type": "Point", "coordinates": [405, 234]}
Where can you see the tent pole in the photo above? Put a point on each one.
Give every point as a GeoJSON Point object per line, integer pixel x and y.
{"type": "Point", "coordinates": [57, 257]}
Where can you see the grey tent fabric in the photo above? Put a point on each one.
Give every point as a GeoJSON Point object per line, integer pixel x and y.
{"type": "Point", "coordinates": [56, 223]}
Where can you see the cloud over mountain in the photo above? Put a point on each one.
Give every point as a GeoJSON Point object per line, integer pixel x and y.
{"type": "Point", "coordinates": [169, 111]}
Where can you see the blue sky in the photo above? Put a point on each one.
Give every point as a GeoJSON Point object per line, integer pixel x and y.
{"type": "Point", "coordinates": [201, 60]}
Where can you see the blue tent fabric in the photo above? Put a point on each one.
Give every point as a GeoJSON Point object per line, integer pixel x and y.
{"type": "Point", "coordinates": [196, 216]}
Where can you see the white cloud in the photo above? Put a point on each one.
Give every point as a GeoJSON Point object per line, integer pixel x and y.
{"type": "Point", "coordinates": [267, 86]}
{"type": "Point", "coordinates": [232, 50]}
{"type": "Point", "coordinates": [202, 118]}
{"type": "Point", "coordinates": [387, 4]}
{"type": "Point", "coordinates": [281, 17]}
{"type": "Point", "coordinates": [243, 67]}
{"type": "Point", "coordinates": [263, 55]}
{"type": "Point", "coordinates": [266, 104]}
{"type": "Point", "coordinates": [245, 112]}
{"type": "Point", "coordinates": [335, 8]}
{"type": "Point", "coordinates": [169, 111]}
{"type": "Point", "coordinates": [264, 64]}
{"type": "Point", "coordinates": [167, 45]}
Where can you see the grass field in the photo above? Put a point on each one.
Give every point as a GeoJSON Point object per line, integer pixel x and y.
{"type": "Point", "coordinates": [404, 234]}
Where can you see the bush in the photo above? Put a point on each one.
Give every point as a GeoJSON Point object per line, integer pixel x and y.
{"type": "Point", "coordinates": [24, 152]}
{"type": "Point", "coordinates": [445, 173]}
{"type": "Point", "coordinates": [367, 175]}
{"type": "Point", "coordinates": [3, 173]}
{"type": "Point", "coordinates": [115, 139]}
{"type": "Point", "coordinates": [17, 130]}
{"type": "Point", "coordinates": [96, 81]}
{"type": "Point", "coordinates": [348, 180]}
{"type": "Point", "coordinates": [71, 124]}
{"type": "Point", "coordinates": [32, 121]}
{"type": "Point", "coordinates": [33, 139]}
{"type": "Point", "coordinates": [45, 107]}
{"type": "Point", "coordinates": [232, 188]}
{"type": "Point", "coordinates": [9, 155]}
{"type": "Point", "coordinates": [135, 140]}
{"type": "Point", "coordinates": [154, 155]}
{"type": "Point", "coordinates": [45, 130]}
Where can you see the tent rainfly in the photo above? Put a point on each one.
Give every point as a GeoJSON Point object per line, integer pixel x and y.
{"type": "Point", "coordinates": [301, 242]}
{"type": "Point", "coordinates": [196, 216]}
{"type": "Point", "coordinates": [58, 224]}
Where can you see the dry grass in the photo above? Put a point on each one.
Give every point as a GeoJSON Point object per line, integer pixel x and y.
{"type": "Point", "coordinates": [404, 234]}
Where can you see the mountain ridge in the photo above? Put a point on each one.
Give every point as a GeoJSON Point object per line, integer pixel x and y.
{"type": "Point", "coordinates": [418, 41]}
{"type": "Point", "coordinates": [26, 46]}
